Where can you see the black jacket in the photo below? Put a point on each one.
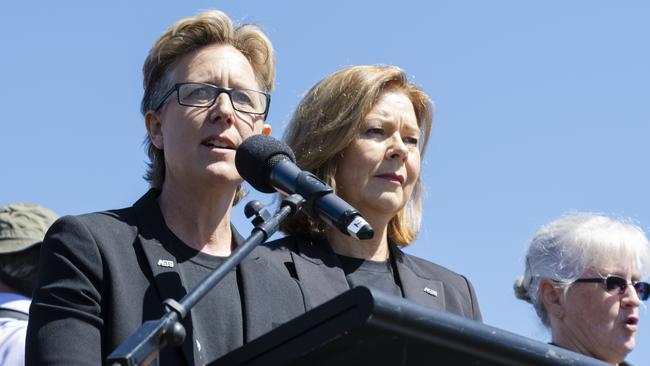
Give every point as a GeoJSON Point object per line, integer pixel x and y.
{"type": "Point", "coordinates": [318, 271]}
{"type": "Point", "coordinates": [103, 274]}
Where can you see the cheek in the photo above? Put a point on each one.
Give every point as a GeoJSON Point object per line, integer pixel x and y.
{"type": "Point", "coordinates": [346, 175]}
{"type": "Point", "coordinates": [596, 313]}
{"type": "Point", "coordinates": [179, 124]}
{"type": "Point", "coordinates": [413, 167]}
{"type": "Point", "coordinates": [349, 174]}
{"type": "Point", "coordinates": [249, 126]}
{"type": "Point", "coordinates": [173, 134]}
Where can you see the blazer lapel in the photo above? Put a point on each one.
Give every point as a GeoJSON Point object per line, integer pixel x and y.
{"type": "Point", "coordinates": [163, 266]}
{"type": "Point", "coordinates": [255, 287]}
{"type": "Point", "coordinates": [167, 279]}
{"type": "Point", "coordinates": [319, 273]}
{"type": "Point", "coordinates": [417, 286]}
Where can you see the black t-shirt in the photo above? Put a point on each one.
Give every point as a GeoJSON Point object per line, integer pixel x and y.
{"type": "Point", "coordinates": [214, 334]}
{"type": "Point", "coordinates": [378, 275]}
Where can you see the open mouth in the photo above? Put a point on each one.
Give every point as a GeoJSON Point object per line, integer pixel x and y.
{"type": "Point", "coordinates": [218, 144]}
{"type": "Point", "coordinates": [631, 321]}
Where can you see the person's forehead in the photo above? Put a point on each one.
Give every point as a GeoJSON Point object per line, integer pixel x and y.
{"type": "Point", "coordinates": [213, 62]}
{"type": "Point", "coordinates": [614, 267]}
{"type": "Point", "coordinates": [384, 109]}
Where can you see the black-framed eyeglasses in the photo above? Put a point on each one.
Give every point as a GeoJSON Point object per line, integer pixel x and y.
{"type": "Point", "coordinates": [203, 95]}
{"type": "Point", "coordinates": [616, 282]}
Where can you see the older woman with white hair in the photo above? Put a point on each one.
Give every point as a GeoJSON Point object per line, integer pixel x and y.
{"type": "Point", "coordinates": [583, 276]}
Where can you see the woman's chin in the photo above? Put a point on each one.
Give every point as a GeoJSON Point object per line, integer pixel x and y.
{"type": "Point", "coordinates": [623, 349]}
{"type": "Point", "coordinates": [214, 179]}
{"type": "Point", "coordinates": [629, 345]}
{"type": "Point", "coordinates": [223, 174]}
{"type": "Point", "coordinates": [388, 205]}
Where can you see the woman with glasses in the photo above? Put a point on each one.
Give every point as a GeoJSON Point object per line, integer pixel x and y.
{"type": "Point", "coordinates": [363, 130]}
{"type": "Point", "coordinates": [206, 86]}
{"type": "Point", "coordinates": [584, 276]}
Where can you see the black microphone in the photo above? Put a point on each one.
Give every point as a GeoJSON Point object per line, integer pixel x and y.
{"type": "Point", "coordinates": [269, 165]}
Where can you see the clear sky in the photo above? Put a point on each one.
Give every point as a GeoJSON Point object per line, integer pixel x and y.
{"type": "Point", "coordinates": [541, 110]}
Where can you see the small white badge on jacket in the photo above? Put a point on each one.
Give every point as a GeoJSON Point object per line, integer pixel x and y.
{"type": "Point", "coordinates": [166, 263]}
{"type": "Point", "coordinates": [430, 291]}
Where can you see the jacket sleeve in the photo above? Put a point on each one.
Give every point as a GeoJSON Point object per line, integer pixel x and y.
{"type": "Point", "coordinates": [65, 318]}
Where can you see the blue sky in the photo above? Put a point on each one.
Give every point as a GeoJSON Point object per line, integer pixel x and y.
{"type": "Point", "coordinates": [541, 109]}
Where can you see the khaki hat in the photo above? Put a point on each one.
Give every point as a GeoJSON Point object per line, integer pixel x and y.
{"type": "Point", "coordinates": [23, 225]}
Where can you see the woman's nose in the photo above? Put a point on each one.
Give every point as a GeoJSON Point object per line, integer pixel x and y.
{"type": "Point", "coordinates": [397, 148]}
{"type": "Point", "coordinates": [222, 110]}
{"type": "Point", "coordinates": [630, 297]}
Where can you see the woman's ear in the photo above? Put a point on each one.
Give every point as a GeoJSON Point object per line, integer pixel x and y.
{"type": "Point", "coordinates": [266, 130]}
{"type": "Point", "coordinates": [552, 297]}
{"type": "Point", "coordinates": [154, 129]}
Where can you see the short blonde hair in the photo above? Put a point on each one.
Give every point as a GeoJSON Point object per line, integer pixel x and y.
{"type": "Point", "coordinates": [188, 35]}
{"type": "Point", "coordinates": [328, 119]}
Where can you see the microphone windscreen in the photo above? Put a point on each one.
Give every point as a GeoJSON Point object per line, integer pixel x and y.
{"type": "Point", "coordinates": [256, 157]}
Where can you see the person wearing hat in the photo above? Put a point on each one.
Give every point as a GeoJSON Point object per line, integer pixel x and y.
{"type": "Point", "coordinates": [22, 228]}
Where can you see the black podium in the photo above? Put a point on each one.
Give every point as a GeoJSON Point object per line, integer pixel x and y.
{"type": "Point", "coordinates": [367, 327]}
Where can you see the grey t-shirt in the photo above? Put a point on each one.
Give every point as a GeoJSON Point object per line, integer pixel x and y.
{"type": "Point", "coordinates": [378, 275]}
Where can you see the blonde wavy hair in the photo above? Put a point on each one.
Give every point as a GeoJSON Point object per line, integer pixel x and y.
{"type": "Point", "coordinates": [188, 35]}
{"type": "Point", "coordinates": [327, 120]}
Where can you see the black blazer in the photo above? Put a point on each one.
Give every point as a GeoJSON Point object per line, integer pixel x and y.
{"type": "Point", "coordinates": [319, 273]}
{"type": "Point", "coordinates": [103, 274]}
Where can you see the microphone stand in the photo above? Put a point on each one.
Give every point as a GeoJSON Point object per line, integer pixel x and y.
{"type": "Point", "coordinates": [143, 346]}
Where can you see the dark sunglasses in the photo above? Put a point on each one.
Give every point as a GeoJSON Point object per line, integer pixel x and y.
{"type": "Point", "coordinates": [620, 283]}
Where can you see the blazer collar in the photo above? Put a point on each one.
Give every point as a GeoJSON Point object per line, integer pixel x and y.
{"type": "Point", "coordinates": [155, 237]}
{"type": "Point", "coordinates": [416, 284]}
{"type": "Point", "coordinates": [322, 278]}
{"type": "Point", "coordinates": [255, 283]}
{"type": "Point", "coordinates": [319, 272]}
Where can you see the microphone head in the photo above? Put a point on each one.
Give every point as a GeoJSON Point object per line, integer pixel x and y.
{"type": "Point", "coordinates": [256, 157]}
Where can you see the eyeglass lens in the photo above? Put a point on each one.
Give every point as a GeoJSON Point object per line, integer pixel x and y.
{"type": "Point", "coordinates": [242, 100]}
{"type": "Point", "coordinates": [642, 288]}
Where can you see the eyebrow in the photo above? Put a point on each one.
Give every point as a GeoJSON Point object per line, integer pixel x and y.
{"type": "Point", "coordinates": [417, 130]}
{"type": "Point", "coordinates": [383, 120]}
{"type": "Point", "coordinates": [634, 277]}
